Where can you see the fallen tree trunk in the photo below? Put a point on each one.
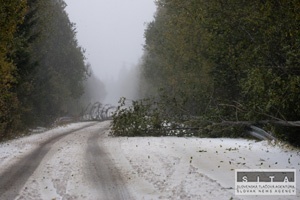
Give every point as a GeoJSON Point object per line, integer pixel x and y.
{"type": "Point", "coordinates": [262, 122]}
{"type": "Point", "coordinates": [260, 133]}
{"type": "Point", "coordinates": [251, 127]}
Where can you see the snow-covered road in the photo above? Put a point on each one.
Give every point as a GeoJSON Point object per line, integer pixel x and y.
{"type": "Point", "coordinates": [64, 163]}
{"type": "Point", "coordinates": [81, 161]}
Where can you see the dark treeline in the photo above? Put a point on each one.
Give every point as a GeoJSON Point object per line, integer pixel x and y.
{"type": "Point", "coordinates": [226, 61]}
{"type": "Point", "coordinates": [42, 67]}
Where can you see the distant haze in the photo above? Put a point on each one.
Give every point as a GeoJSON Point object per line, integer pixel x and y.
{"type": "Point", "coordinates": [111, 31]}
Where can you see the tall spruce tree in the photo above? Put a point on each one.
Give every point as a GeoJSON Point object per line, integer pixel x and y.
{"type": "Point", "coordinates": [11, 15]}
{"type": "Point", "coordinates": [42, 67]}
{"type": "Point", "coordinates": [226, 59]}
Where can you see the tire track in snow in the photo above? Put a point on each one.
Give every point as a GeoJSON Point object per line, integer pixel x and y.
{"type": "Point", "coordinates": [13, 179]}
{"type": "Point", "coordinates": [105, 177]}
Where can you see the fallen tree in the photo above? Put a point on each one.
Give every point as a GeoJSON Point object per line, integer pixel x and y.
{"type": "Point", "coordinates": [150, 118]}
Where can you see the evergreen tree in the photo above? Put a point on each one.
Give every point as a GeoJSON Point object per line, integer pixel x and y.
{"type": "Point", "coordinates": [226, 60]}
{"type": "Point", "coordinates": [42, 67]}
{"type": "Point", "coordinates": [11, 15]}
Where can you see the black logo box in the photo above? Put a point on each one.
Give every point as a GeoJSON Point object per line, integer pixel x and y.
{"type": "Point", "coordinates": [265, 176]}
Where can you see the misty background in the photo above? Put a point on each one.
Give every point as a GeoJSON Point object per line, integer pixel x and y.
{"type": "Point", "coordinates": [112, 33]}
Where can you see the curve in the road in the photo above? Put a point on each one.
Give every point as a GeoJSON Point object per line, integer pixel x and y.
{"type": "Point", "coordinates": [13, 179]}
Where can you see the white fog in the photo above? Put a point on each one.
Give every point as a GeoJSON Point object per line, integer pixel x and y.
{"type": "Point", "coordinates": [112, 33]}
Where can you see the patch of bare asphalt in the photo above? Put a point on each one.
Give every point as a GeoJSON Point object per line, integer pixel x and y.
{"type": "Point", "coordinates": [13, 179]}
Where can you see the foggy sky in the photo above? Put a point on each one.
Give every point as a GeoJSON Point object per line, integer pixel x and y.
{"type": "Point", "coordinates": [111, 31]}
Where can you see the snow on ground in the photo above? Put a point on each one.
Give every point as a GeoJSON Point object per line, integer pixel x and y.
{"type": "Point", "coordinates": [12, 151]}
{"type": "Point", "coordinates": [63, 173]}
{"type": "Point", "coordinates": [153, 167]}
{"type": "Point", "coordinates": [195, 168]}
